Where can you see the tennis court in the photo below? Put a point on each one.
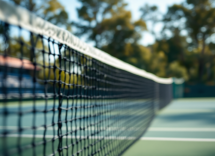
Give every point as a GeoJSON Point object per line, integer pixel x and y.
{"type": "Point", "coordinates": [185, 128]}
{"type": "Point", "coordinates": [39, 128]}
{"type": "Point", "coordinates": [60, 96]}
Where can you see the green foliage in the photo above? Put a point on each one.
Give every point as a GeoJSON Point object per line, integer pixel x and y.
{"type": "Point", "coordinates": [151, 14]}
{"type": "Point", "coordinates": [192, 54]}
{"type": "Point", "coordinates": [174, 47]}
{"type": "Point", "coordinates": [157, 64]}
{"type": "Point", "coordinates": [91, 15]}
{"type": "Point", "coordinates": [109, 25]}
{"type": "Point", "coordinates": [50, 10]}
{"type": "Point", "coordinates": [122, 36]}
{"type": "Point", "coordinates": [176, 70]}
{"type": "Point", "coordinates": [196, 17]}
{"type": "Point", "coordinates": [21, 47]}
{"type": "Point", "coordinates": [62, 79]}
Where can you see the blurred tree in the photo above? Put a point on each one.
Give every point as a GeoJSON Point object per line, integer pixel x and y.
{"type": "Point", "coordinates": [195, 17]}
{"type": "Point", "coordinates": [174, 47]}
{"type": "Point", "coordinates": [50, 10]}
{"type": "Point", "coordinates": [167, 52]}
{"type": "Point", "coordinates": [152, 16]}
{"type": "Point", "coordinates": [174, 51]}
{"type": "Point", "coordinates": [122, 35]}
{"type": "Point", "coordinates": [158, 64]}
{"type": "Point", "coordinates": [177, 70]}
{"type": "Point", "coordinates": [187, 38]}
{"type": "Point", "coordinates": [91, 14]}
{"type": "Point", "coordinates": [4, 39]}
{"type": "Point", "coordinates": [109, 25]}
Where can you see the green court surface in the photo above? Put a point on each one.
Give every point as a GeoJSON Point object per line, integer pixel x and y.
{"type": "Point", "coordinates": [185, 128]}
{"type": "Point", "coordinates": [81, 130]}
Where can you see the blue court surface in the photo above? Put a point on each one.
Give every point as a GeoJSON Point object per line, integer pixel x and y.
{"type": "Point", "coordinates": [184, 128]}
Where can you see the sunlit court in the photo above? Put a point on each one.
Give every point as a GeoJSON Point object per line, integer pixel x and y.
{"type": "Point", "coordinates": [185, 127]}
{"type": "Point", "coordinates": [107, 78]}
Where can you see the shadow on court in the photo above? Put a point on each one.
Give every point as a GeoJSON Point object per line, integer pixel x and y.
{"type": "Point", "coordinates": [185, 128]}
{"type": "Point", "coordinates": [206, 117]}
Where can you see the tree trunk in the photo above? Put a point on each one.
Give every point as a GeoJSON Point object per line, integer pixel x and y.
{"type": "Point", "coordinates": [201, 62]}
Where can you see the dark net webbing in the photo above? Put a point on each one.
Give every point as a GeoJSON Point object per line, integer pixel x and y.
{"type": "Point", "coordinates": [56, 101]}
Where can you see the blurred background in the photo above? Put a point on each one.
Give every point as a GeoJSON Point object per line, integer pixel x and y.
{"type": "Point", "coordinates": [169, 38]}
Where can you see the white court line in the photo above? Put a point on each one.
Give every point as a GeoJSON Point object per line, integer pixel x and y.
{"type": "Point", "coordinates": [177, 139]}
{"type": "Point", "coordinates": [70, 137]}
{"type": "Point", "coordinates": [118, 138]}
{"type": "Point", "coordinates": [169, 129]}
{"type": "Point", "coordinates": [153, 129]}
{"type": "Point", "coordinates": [73, 128]}
{"type": "Point", "coordinates": [174, 111]}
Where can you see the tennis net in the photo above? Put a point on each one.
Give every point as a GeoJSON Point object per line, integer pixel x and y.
{"type": "Point", "coordinates": [60, 96]}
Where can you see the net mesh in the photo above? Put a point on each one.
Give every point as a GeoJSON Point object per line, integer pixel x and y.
{"type": "Point", "coordinates": [55, 100]}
